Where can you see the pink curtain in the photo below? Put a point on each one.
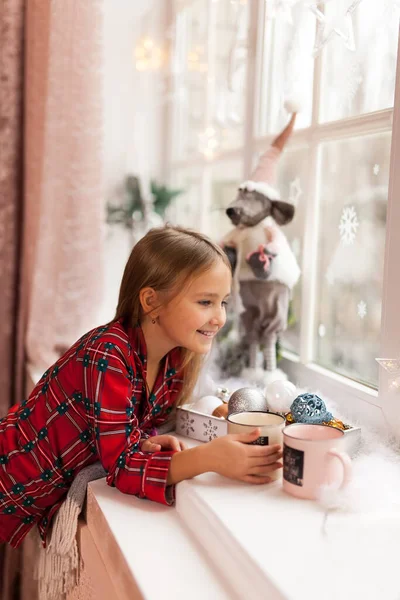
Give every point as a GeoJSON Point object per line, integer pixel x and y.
{"type": "Point", "coordinates": [63, 237]}
{"type": "Point", "coordinates": [51, 289]}
{"type": "Point", "coordinates": [11, 179]}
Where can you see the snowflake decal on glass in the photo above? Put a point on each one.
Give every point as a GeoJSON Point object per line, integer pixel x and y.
{"type": "Point", "coordinates": [362, 309]}
{"type": "Point", "coordinates": [187, 424]}
{"type": "Point", "coordinates": [348, 225]}
{"type": "Point", "coordinates": [376, 169]}
{"type": "Point", "coordinates": [210, 431]}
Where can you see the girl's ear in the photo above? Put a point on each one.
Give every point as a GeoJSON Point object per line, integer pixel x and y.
{"type": "Point", "coordinates": [149, 301]}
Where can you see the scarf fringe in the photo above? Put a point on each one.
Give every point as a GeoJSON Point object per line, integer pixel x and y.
{"type": "Point", "coordinates": [57, 574]}
{"type": "Point", "coordinates": [58, 566]}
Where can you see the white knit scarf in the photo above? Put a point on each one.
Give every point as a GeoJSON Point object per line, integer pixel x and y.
{"type": "Point", "coordinates": [58, 565]}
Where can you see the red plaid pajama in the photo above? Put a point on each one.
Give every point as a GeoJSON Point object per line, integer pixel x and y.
{"type": "Point", "coordinates": [91, 405]}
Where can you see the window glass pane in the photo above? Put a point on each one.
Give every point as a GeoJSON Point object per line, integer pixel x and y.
{"type": "Point", "coordinates": [292, 185]}
{"type": "Point", "coordinates": [189, 67]}
{"type": "Point", "coordinates": [224, 185]}
{"type": "Point", "coordinates": [287, 70]}
{"type": "Point", "coordinates": [353, 195]}
{"type": "Point", "coordinates": [185, 210]}
{"type": "Point", "coordinates": [228, 81]}
{"type": "Point", "coordinates": [362, 81]}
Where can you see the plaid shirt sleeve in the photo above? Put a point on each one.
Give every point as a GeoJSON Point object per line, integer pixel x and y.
{"type": "Point", "coordinates": [108, 386]}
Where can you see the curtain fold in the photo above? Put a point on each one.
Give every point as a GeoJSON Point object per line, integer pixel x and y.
{"type": "Point", "coordinates": [11, 182]}
{"type": "Point", "coordinates": [63, 239]}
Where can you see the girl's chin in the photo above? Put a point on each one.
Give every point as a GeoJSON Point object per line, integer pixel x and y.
{"type": "Point", "coordinates": [202, 345]}
{"type": "Point", "coordinates": [206, 349]}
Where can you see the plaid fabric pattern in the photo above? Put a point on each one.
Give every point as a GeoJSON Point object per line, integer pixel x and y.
{"type": "Point", "coordinates": [91, 405]}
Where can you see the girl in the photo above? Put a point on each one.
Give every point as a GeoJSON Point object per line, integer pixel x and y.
{"type": "Point", "coordinates": [103, 398]}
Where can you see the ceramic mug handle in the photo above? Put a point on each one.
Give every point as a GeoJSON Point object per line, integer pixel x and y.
{"type": "Point", "coordinates": [346, 464]}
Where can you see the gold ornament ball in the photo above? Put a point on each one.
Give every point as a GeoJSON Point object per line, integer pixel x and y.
{"type": "Point", "coordinates": [221, 411]}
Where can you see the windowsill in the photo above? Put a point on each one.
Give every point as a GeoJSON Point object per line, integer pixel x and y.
{"type": "Point", "coordinates": [226, 540]}
{"type": "Point", "coordinates": [147, 550]}
{"type": "Point", "coordinates": [367, 393]}
{"type": "Point", "coordinates": [260, 543]}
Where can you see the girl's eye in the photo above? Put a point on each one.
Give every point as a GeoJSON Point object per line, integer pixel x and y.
{"type": "Point", "coordinates": [208, 303]}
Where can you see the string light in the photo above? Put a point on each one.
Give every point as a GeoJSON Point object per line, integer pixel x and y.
{"type": "Point", "coordinates": [149, 56]}
{"type": "Point", "coordinates": [209, 142]}
{"type": "Point", "coordinates": [195, 60]}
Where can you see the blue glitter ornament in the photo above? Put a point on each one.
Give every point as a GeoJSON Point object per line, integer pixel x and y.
{"type": "Point", "coordinates": [310, 408]}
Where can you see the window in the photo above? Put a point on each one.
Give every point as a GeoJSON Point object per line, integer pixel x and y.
{"type": "Point", "coordinates": [335, 169]}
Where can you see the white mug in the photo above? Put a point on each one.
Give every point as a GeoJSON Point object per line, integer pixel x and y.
{"type": "Point", "coordinates": [270, 424]}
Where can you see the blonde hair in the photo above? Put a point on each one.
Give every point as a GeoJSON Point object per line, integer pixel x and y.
{"type": "Point", "coordinates": [167, 259]}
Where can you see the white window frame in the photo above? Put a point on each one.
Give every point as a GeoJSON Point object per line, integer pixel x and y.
{"type": "Point", "coordinates": [363, 402]}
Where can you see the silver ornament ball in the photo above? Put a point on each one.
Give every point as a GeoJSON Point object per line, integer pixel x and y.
{"type": "Point", "coordinates": [246, 399]}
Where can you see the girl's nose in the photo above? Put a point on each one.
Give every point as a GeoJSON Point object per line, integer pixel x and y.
{"type": "Point", "coordinates": [219, 318]}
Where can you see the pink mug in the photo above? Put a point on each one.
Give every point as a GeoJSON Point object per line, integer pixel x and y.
{"type": "Point", "coordinates": [312, 457]}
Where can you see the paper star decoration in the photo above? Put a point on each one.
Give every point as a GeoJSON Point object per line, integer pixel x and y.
{"type": "Point", "coordinates": [340, 25]}
{"type": "Point", "coordinates": [295, 191]}
{"type": "Point", "coordinates": [392, 366]}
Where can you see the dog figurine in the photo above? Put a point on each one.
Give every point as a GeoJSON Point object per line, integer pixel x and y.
{"type": "Point", "coordinates": [264, 266]}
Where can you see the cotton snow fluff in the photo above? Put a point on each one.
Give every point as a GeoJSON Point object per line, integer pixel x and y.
{"type": "Point", "coordinates": [310, 408]}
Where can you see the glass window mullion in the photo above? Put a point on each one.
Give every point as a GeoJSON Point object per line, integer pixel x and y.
{"type": "Point", "coordinates": [310, 240]}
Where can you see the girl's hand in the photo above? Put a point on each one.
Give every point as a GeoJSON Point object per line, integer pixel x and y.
{"type": "Point", "coordinates": [162, 442]}
{"type": "Point", "coordinates": [234, 456]}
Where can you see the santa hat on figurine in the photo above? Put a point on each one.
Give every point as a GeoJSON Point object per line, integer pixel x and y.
{"type": "Point", "coordinates": [264, 177]}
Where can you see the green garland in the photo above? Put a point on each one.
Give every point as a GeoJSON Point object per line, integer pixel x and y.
{"type": "Point", "coordinates": [134, 203]}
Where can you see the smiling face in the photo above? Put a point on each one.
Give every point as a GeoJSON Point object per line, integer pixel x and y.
{"type": "Point", "coordinates": [193, 317]}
